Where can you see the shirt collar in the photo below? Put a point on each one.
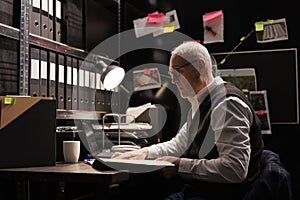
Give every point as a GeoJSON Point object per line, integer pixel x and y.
{"type": "Point", "coordinates": [197, 99]}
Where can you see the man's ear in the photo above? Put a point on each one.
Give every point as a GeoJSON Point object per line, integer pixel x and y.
{"type": "Point", "coordinates": [202, 63]}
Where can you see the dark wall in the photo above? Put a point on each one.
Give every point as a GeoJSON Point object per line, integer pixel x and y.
{"type": "Point", "coordinates": [239, 19]}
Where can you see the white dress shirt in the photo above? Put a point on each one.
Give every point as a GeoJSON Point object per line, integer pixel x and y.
{"type": "Point", "coordinates": [232, 141]}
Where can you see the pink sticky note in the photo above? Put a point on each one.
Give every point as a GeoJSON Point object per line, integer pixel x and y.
{"type": "Point", "coordinates": [146, 71]}
{"type": "Point", "coordinates": [260, 112]}
{"type": "Point", "coordinates": [198, 41]}
{"type": "Point", "coordinates": [212, 15]}
{"type": "Point", "coordinates": [155, 18]}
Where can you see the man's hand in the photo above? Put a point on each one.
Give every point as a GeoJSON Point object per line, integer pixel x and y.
{"type": "Point", "coordinates": [140, 154]}
{"type": "Point", "coordinates": [170, 172]}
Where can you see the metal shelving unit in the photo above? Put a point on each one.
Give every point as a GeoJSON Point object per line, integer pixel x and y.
{"type": "Point", "coordinates": [26, 39]}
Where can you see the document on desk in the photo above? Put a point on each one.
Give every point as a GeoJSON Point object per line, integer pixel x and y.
{"type": "Point", "coordinates": [136, 165]}
{"type": "Point", "coordinates": [137, 111]}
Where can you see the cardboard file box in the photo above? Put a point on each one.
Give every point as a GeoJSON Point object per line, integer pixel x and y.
{"type": "Point", "coordinates": [27, 131]}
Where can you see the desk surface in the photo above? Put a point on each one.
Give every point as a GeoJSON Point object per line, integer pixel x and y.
{"type": "Point", "coordinates": [75, 172]}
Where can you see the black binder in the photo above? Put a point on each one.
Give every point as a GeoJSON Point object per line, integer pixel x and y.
{"type": "Point", "coordinates": [92, 88]}
{"type": "Point", "coordinates": [81, 88]}
{"type": "Point", "coordinates": [34, 17]}
{"type": "Point", "coordinates": [51, 19]}
{"type": "Point", "coordinates": [75, 98]}
{"type": "Point", "coordinates": [9, 67]}
{"type": "Point", "coordinates": [6, 12]}
{"type": "Point", "coordinates": [34, 72]}
{"type": "Point", "coordinates": [107, 107]}
{"type": "Point", "coordinates": [44, 11]}
{"type": "Point", "coordinates": [73, 15]}
{"type": "Point", "coordinates": [100, 100]}
{"type": "Point", "coordinates": [61, 82]}
{"type": "Point", "coordinates": [58, 20]}
{"type": "Point", "coordinates": [86, 90]}
{"type": "Point", "coordinates": [52, 74]}
{"type": "Point", "coordinates": [43, 74]}
{"type": "Point", "coordinates": [69, 86]}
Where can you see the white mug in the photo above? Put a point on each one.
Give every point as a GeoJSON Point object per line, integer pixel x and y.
{"type": "Point", "coordinates": [71, 151]}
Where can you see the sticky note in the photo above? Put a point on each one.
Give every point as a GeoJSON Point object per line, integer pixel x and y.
{"type": "Point", "coordinates": [212, 15]}
{"type": "Point", "coordinates": [146, 71]}
{"type": "Point", "coordinates": [9, 100]}
{"type": "Point", "coordinates": [155, 18]}
{"type": "Point", "coordinates": [259, 26]}
{"type": "Point", "coordinates": [169, 28]}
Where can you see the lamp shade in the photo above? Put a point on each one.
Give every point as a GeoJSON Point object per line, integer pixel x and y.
{"type": "Point", "coordinates": [112, 76]}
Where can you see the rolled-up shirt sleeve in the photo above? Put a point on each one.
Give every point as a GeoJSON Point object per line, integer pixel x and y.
{"type": "Point", "coordinates": [175, 147]}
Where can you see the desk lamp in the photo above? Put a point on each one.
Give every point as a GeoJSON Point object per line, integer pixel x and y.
{"type": "Point", "coordinates": [112, 75]}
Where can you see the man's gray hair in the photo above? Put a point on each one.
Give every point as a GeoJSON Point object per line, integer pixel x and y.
{"type": "Point", "coordinates": [191, 51]}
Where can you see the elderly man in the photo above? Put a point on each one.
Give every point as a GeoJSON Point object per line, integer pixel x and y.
{"type": "Point", "coordinates": [218, 150]}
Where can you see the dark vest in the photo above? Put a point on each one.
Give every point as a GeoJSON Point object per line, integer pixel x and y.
{"type": "Point", "coordinates": [200, 127]}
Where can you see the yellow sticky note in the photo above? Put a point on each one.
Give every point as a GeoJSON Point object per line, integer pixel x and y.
{"type": "Point", "coordinates": [259, 26]}
{"type": "Point", "coordinates": [223, 61]}
{"type": "Point", "coordinates": [9, 100]}
{"type": "Point", "coordinates": [169, 28]}
{"type": "Point", "coordinates": [270, 21]}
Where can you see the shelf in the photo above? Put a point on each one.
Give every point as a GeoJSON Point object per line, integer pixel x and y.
{"type": "Point", "coordinates": [56, 46]}
{"type": "Point", "coordinates": [9, 31]}
{"type": "Point", "coordinates": [14, 33]}
{"type": "Point", "coordinates": [79, 114]}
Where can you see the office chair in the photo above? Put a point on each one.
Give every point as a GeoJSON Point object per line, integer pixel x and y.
{"type": "Point", "coordinates": [274, 182]}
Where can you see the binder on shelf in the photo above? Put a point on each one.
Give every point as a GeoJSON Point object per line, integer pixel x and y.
{"type": "Point", "coordinates": [73, 16]}
{"type": "Point", "coordinates": [98, 104]}
{"type": "Point", "coordinates": [75, 98]}
{"type": "Point", "coordinates": [50, 20]}
{"type": "Point", "coordinates": [61, 82]}
{"type": "Point", "coordinates": [6, 12]}
{"type": "Point", "coordinates": [9, 81]}
{"type": "Point", "coordinates": [34, 72]}
{"type": "Point", "coordinates": [58, 20]}
{"type": "Point", "coordinates": [44, 74]}
{"type": "Point", "coordinates": [100, 100]}
{"type": "Point", "coordinates": [52, 74]}
{"type": "Point", "coordinates": [107, 107]}
{"type": "Point", "coordinates": [44, 18]}
{"type": "Point", "coordinates": [81, 92]}
{"type": "Point", "coordinates": [86, 92]}
{"type": "Point", "coordinates": [69, 76]}
{"type": "Point", "coordinates": [34, 17]}
{"type": "Point", "coordinates": [92, 87]}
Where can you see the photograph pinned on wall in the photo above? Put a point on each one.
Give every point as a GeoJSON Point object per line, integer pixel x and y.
{"type": "Point", "coordinates": [147, 78]}
{"type": "Point", "coordinates": [243, 78]}
{"type": "Point", "coordinates": [213, 25]}
{"type": "Point", "coordinates": [271, 30]}
{"type": "Point", "coordinates": [169, 24]}
{"type": "Point", "coordinates": [156, 23]}
{"type": "Point", "coordinates": [259, 103]}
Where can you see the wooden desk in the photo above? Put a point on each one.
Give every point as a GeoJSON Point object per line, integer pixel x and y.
{"type": "Point", "coordinates": [63, 173]}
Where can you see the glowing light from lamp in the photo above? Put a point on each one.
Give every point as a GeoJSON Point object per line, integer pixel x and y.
{"type": "Point", "coordinates": [112, 76]}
